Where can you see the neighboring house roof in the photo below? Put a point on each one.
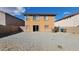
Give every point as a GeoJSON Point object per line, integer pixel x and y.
{"type": "Point", "coordinates": [12, 16]}
{"type": "Point", "coordinates": [39, 14]}
{"type": "Point", "coordinates": [68, 16]}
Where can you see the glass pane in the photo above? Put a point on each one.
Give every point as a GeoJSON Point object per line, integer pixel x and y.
{"type": "Point", "coordinates": [46, 17]}
{"type": "Point", "coordinates": [27, 17]}
{"type": "Point", "coordinates": [35, 17]}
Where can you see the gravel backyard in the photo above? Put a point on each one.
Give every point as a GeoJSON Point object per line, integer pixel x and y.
{"type": "Point", "coordinates": [38, 41]}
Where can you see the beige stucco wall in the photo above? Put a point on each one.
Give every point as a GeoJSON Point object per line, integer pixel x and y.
{"type": "Point", "coordinates": [41, 23]}
{"type": "Point", "coordinates": [2, 18]}
{"type": "Point", "coordinates": [69, 22]}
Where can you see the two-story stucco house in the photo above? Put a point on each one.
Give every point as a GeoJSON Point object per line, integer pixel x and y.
{"type": "Point", "coordinates": [39, 22]}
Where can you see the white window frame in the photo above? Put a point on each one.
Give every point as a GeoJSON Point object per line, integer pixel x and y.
{"type": "Point", "coordinates": [36, 17]}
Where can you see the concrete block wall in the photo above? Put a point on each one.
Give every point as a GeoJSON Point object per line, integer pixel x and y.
{"type": "Point", "coordinates": [72, 30]}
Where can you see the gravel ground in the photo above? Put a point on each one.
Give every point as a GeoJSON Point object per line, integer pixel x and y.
{"type": "Point", "coordinates": [38, 41]}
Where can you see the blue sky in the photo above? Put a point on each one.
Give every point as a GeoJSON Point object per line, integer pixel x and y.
{"type": "Point", "coordinates": [59, 11]}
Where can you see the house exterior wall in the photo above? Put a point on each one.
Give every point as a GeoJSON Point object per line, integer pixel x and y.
{"type": "Point", "coordinates": [41, 23]}
{"type": "Point", "coordinates": [6, 19]}
{"type": "Point", "coordinates": [12, 24]}
{"type": "Point", "coordinates": [68, 22]}
{"type": "Point", "coordinates": [2, 18]}
{"type": "Point", "coordinates": [13, 21]}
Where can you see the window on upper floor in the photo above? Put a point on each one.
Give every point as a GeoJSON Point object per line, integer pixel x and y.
{"type": "Point", "coordinates": [35, 17]}
{"type": "Point", "coordinates": [46, 17]}
{"type": "Point", "coordinates": [27, 17]}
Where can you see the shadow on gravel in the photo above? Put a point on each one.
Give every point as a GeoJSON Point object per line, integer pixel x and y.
{"type": "Point", "coordinates": [7, 34]}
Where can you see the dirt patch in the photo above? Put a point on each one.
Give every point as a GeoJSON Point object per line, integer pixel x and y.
{"type": "Point", "coordinates": [60, 47]}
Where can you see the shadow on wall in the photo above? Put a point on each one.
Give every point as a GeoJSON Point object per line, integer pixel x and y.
{"type": "Point", "coordinates": [9, 30]}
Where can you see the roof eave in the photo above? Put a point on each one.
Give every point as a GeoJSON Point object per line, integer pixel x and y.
{"type": "Point", "coordinates": [39, 14]}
